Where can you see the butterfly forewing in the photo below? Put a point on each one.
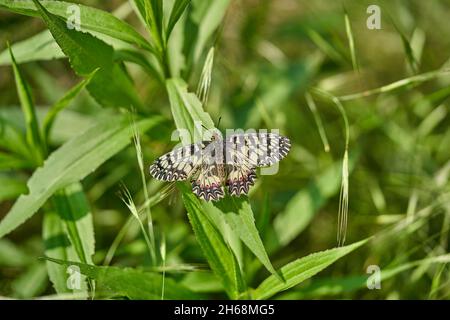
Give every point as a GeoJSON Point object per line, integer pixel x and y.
{"type": "Point", "coordinates": [256, 149]}
{"type": "Point", "coordinates": [179, 164]}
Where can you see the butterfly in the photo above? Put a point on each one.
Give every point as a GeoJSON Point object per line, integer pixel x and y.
{"type": "Point", "coordinates": [230, 162]}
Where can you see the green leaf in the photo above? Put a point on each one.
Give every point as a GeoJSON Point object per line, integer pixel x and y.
{"type": "Point", "coordinates": [111, 86]}
{"type": "Point", "coordinates": [69, 124]}
{"type": "Point", "coordinates": [219, 255]}
{"type": "Point", "coordinates": [26, 101]}
{"type": "Point", "coordinates": [336, 286]}
{"type": "Point", "coordinates": [175, 50]}
{"type": "Point", "coordinates": [177, 10]}
{"type": "Point", "coordinates": [301, 269]}
{"type": "Point", "coordinates": [351, 42]}
{"type": "Point", "coordinates": [205, 78]}
{"type": "Point", "coordinates": [187, 110]}
{"type": "Point", "coordinates": [71, 163]}
{"type": "Point", "coordinates": [131, 283]}
{"type": "Point", "coordinates": [149, 65]}
{"type": "Point", "coordinates": [73, 208]}
{"type": "Point", "coordinates": [238, 213]}
{"type": "Point", "coordinates": [208, 16]}
{"type": "Point", "coordinates": [62, 103]}
{"type": "Point", "coordinates": [40, 47]}
{"type": "Point", "coordinates": [91, 19]}
{"type": "Point", "coordinates": [154, 18]}
{"type": "Point", "coordinates": [68, 234]}
{"type": "Point", "coordinates": [11, 187]}
{"type": "Point", "coordinates": [410, 57]}
{"type": "Point", "coordinates": [57, 245]}
{"type": "Point", "coordinates": [139, 8]}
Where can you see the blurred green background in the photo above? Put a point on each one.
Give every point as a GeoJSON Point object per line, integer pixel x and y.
{"type": "Point", "coordinates": [267, 56]}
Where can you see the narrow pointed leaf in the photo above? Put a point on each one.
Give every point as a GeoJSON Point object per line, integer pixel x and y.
{"type": "Point", "coordinates": [57, 245]}
{"type": "Point", "coordinates": [219, 255]}
{"type": "Point", "coordinates": [238, 213]}
{"type": "Point", "coordinates": [33, 134]}
{"type": "Point", "coordinates": [187, 110]}
{"type": "Point", "coordinates": [110, 86]}
{"type": "Point", "coordinates": [91, 19]}
{"type": "Point", "coordinates": [177, 10]}
{"type": "Point", "coordinates": [71, 163]}
{"type": "Point", "coordinates": [301, 269]}
{"type": "Point", "coordinates": [39, 47]}
{"type": "Point", "coordinates": [62, 103]}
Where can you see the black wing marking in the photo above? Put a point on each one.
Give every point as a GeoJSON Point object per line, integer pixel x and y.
{"type": "Point", "coordinates": [179, 164]}
{"type": "Point", "coordinates": [256, 149]}
{"type": "Point", "coordinates": [208, 184]}
{"type": "Point", "coordinates": [240, 179]}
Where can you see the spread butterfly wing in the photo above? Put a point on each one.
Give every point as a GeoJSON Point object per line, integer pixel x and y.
{"type": "Point", "coordinates": [179, 164]}
{"type": "Point", "coordinates": [240, 179]}
{"type": "Point", "coordinates": [208, 184]}
{"type": "Point", "coordinates": [256, 149]}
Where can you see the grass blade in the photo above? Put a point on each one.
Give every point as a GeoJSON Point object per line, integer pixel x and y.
{"type": "Point", "coordinates": [407, 82]}
{"type": "Point", "coordinates": [177, 10]}
{"type": "Point", "coordinates": [150, 241]}
{"type": "Point", "coordinates": [205, 78]}
{"type": "Point", "coordinates": [351, 42]}
{"type": "Point", "coordinates": [302, 269]}
{"type": "Point", "coordinates": [312, 106]}
{"type": "Point", "coordinates": [343, 196]}
{"type": "Point", "coordinates": [33, 134]}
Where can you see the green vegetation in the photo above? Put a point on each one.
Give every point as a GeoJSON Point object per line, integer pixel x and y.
{"type": "Point", "coordinates": [83, 113]}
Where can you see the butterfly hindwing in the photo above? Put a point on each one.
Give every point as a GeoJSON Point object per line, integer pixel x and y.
{"type": "Point", "coordinates": [208, 183]}
{"type": "Point", "coordinates": [240, 179]}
